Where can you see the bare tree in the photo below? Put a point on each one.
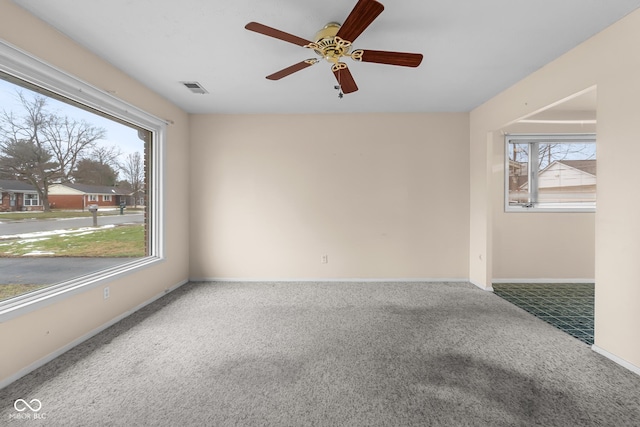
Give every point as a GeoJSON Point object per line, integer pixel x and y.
{"type": "Point", "coordinates": [133, 171]}
{"type": "Point", "coordinates": [109, 156]}
{"type": "Point", "coordinates": [41, 147]}
{"type": "Point", "coordinates": [68, 139]}
{"type": "Point", "coordinates": [550, 152]}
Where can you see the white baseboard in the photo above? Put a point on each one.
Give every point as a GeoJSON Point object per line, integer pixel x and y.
{"type": "Point", "coordinates": [484, 288]}
{"type": "Point", "coordinates": [630, 366]}
{"type": "Point", "coordinates": [49, 357]}
{"type": "Point", "coordinates": [330, 280]}
{"type": "Point", "coordinates": [542, 281]}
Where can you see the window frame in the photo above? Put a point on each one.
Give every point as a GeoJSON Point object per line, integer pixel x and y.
{"type": "Point", "coordinates": [25, 198]}
{"type": "Point", "coordinates": [565, 138]}
{"type": "Point", "coordinates": [22, 65]}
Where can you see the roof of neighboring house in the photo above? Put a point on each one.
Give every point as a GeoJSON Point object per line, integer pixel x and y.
{"type": "Point", "coordinates": [16, 186]}
{"type": "Point", "coordinates": [588, 166]}
{"type": "Point", "coordinates": [95, 189]}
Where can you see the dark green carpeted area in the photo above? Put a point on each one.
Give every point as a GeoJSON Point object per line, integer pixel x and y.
{"type": "Point", "coordinates": [567, 306]}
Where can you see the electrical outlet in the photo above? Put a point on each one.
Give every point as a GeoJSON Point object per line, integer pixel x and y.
{"type": "Point", "coordinates": [324, 259]}
{"type": "Point", "coordinates": [106, 292]}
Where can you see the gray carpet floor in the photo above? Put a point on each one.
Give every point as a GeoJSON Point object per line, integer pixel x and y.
{"type": "Point", "coordinates": [329, 354]}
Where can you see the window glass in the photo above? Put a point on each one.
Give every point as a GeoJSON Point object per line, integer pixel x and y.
{"type": "Point", "coordinates": [551, 172]}
{"type": "Point", "coordinates": [31, 200]}
{"type": "Point", "coordinates": [55, 155]}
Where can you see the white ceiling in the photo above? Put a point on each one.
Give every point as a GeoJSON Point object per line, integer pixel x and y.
{"type": "Point", "coordinates": [473, 49]}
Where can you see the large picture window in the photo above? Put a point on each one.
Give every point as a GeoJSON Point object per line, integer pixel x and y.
{"type": "Point", "coordinates": [63, 143]}
{"type": "Point", "coordinates": [548, 172]}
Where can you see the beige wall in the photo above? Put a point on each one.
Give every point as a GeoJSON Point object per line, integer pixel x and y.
{"type": "Point", "coordinates": [610, 61]}
{"type": "Point", "coordinates": [383, 196]}
{"type": "Point", "coordinates": [542, 246]}
{"type": "Point", "coordinates": [34, 336]}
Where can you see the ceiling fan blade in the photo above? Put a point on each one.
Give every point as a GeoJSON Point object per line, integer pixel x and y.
{"type": "Point", "coordinates": [362, 15]}
{"type": "Point", "coordinates": [292, 69]}
{"type": "Point", "coordinates": [392, 58]}
{"type": "Point", "coordinates": [345, 80]}
{"type": "Point", "coordinates": [272, 32]}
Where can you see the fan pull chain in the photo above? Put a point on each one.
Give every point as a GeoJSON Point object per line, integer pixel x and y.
{"type": "Point", "coordinates": [339, 87]}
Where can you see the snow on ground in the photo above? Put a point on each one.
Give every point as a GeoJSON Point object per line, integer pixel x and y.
{"type": "Point", "coordinates": [38, 239]}
{"type": "Point", "coordinates": [40, 234]}
{"type": "Point", "coordinates": [38, 253]}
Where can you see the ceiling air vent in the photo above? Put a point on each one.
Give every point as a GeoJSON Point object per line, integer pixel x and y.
{"type": "Point", "coordinates": [195, 87]}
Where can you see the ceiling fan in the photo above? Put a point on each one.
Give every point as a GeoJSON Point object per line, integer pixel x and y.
{"type": "Point", "coordinates": [334, 42]}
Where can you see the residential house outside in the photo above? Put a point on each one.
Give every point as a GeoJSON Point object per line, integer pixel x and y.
{"type": "Point", "coordinates": [19, 196]}
{"type": "Point", "coordinates": [563, 181]}
{"type": "Point", "coordinates": [81, 196]}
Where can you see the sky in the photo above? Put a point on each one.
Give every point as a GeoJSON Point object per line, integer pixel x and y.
{"type": "Point", "coordinates": [119, 135]}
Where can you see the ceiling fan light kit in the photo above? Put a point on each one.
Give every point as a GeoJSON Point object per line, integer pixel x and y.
{"type": "Point", "coordinates": [334, 42]}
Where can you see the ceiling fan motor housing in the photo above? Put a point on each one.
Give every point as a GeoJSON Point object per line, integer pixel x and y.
{"type": "Point", "coordinates": [329, 46]}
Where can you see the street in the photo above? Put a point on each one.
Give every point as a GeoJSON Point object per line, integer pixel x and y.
{"type": "Point", "coordinates": [50, 270]}
{"type": "Point", "coordinates": [32, 226]}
